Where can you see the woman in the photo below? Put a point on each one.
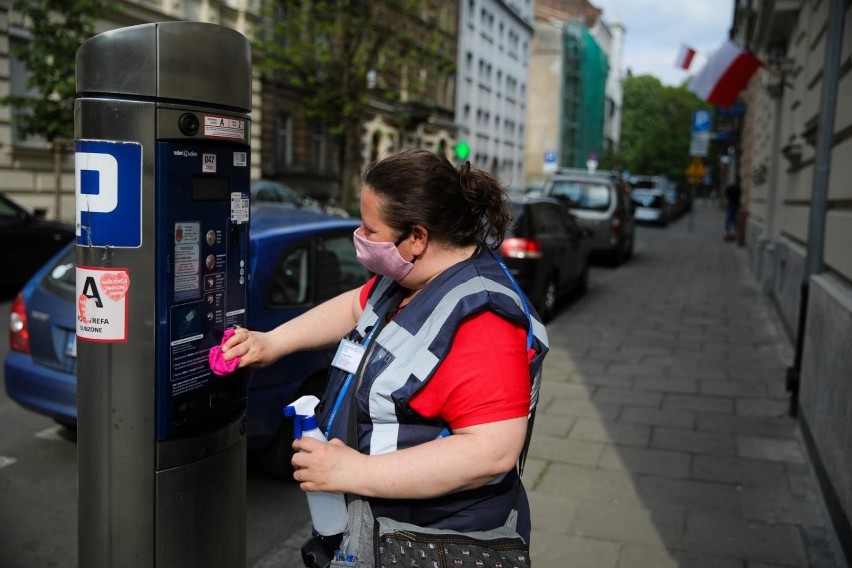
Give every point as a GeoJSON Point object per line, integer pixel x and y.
{"type": "Point", "coordinates": [449, 348]}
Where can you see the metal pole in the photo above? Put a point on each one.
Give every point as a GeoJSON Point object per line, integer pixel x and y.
{"type": "Point", "coordinates": [819, 199]}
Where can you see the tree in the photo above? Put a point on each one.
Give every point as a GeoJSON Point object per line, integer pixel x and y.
{"type": "Point", "coordinates": [656, 127]}
{"type": "Point", "coordinates": [344, 55]}
{"type": "Point", "coordinates": [57, 27]}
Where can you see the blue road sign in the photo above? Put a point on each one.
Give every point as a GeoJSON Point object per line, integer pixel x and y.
{"type": "Point", "coordinates": [701, 120]}
{"type": "Point", "coordinates": [108, 183]}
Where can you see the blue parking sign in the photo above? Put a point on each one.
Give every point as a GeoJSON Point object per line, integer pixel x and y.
{"type": "Point", "coordinates": [108, 185]}
{"type": "Point", "coordinates": [701, 120]}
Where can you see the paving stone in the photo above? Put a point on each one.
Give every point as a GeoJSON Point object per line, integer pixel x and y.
{"type": "Point", "coordinates": [643, 556]}
{"type": "Point", "coordinates": [574, 408]}
{"type": "Point", "coordinates": [658, 417]}
{"type": "Point", "coordinates": [733, 388]}
{"type": "Point", "coordinates": [643, 460]}
{"type": "Point", "coordinates": [728, 535]}
{"type": "Point", "coordinates": [693, 441]}
{"type": "Point", "coordinates": [688, 495]}
{"type": "Point", "coordinates": [602, 379]}
{"type": "Point", "coordinates": [611, 432]}
{"type": "Point", "coordinates": [770, 449]}
{"type": "Point", "coordinates": [554, 549]}
{"type": "Point", "coordinates": [739, 471]}
{"type": "Point", "coordinates": [551, 515]}
{"type": "Point", "coordinates": [666, 385]}
{"type": "Point", "coordinates": [587, 484]}
{"type": "Point", "coordinates": [774, 408]}
{"type": "Point", "coordinates": [773, 505]}
{"type": "Point", "coordinates": [698, 403]}
{"type": "Point", "coordinates": [570, 390]}
{"type": "Point", "coordinates": [768, 426]}
{"type": "Point", "coordinates": [627, 396]}
{"type": "Point", "coordinates": [626, 523]}
{"type": "Point", "coordinates": [565, 450]}
{"type": "Point", "coordinates": [552, 424]}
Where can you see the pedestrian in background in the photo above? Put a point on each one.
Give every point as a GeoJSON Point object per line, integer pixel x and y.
{"type": "Point", "coordinates": [452, 355]}
{"type": "Point", "coordinates": [733, 194]}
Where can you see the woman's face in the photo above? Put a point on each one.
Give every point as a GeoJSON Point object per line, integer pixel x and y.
{"type": "Point", "coordinates": [372, 227]}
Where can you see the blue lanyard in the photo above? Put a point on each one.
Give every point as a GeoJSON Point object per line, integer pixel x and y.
{"type": "Point", "coordinates": [521, 294]}
{"type": "Point", "coordinates": [346, 384]}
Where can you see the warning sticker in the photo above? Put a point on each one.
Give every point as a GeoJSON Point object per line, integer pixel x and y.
{"type": "Point", "coordinates": [102, 304]}
{"type": "Point", "coordinates": [224, 127]}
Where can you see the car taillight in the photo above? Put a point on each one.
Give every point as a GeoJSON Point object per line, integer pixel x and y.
{"type": "Point", "coordinates": [19, 333]}
{"type": "Point", "coordinates": [615, 224]}
{"type": "Point", "coordinates": [520, 248]}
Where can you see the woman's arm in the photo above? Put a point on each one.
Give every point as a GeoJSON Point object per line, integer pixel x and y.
{"type": "Point", "coordinates": [320, 326]}
{"type": "Point", "coordinates": [467, 459]}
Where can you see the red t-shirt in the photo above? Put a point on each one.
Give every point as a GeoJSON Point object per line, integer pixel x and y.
{"type": "Point", "coordinates": [485, 376]}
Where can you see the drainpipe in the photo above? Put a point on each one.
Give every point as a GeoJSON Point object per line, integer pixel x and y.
{"type": "Point", "coordinates": [819, 199]}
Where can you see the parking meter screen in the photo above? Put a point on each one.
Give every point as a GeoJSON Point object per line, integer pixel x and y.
{"type": "Point", "coordinates": [203, 212]}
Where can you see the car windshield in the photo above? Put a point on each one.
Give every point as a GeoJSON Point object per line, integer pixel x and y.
{"type": "Point", "coordinates": [581, 194]}
{"type": "Point", "coordinates": [643, 184]}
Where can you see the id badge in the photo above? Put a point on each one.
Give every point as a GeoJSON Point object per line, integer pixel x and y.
{"type": "Point", "coordinates": [348, 356]}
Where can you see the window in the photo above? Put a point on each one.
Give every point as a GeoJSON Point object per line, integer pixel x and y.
{"type": "Point", "coordinates": [19, 74]}
{"type": "Point", "coordinates": [315, 270]}
{"type": "Point", "coordinates": [284, 141]}
{"type": "Point", "coordinates": [582, 195]}
{"type": "Point", "coordinates": [317, 147]}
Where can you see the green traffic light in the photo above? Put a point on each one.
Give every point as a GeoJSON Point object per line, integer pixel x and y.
{"type": "Point", "coordinates": [462, 150]}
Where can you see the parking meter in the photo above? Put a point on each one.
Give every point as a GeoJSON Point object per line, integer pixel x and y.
{"type": "Point", "coordinates": [162, 179]}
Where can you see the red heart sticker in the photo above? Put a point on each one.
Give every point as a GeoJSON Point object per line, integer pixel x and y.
{"type": "Point", "coordinates": [81, 307]}
{"type": "Point", "coordinates": [115, 285]}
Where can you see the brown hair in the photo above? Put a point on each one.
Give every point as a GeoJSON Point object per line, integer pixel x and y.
{"type": "Point", "coordinates": [460, 207]}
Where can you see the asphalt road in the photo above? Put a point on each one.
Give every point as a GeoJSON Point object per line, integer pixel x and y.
{"type": "Point", "coordinates": [38, 492]}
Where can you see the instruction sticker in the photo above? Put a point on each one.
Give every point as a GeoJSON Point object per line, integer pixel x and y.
{"type": "Point", "coordinates": [239, 208]}
{"type": "Point", "coordinates": [102, 304]}
{"type": "Point", "coordinates": [224, 127]}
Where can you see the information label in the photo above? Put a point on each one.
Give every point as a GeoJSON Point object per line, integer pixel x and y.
{"type": "Point", "coordinates": [101, 310]}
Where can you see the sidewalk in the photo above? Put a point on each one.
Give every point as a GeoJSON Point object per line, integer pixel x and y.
{"type": "Point", "coordinates": [662, 437]}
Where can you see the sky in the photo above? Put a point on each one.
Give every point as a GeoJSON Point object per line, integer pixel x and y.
{"type": "Point", "coordinates": [656, 29]}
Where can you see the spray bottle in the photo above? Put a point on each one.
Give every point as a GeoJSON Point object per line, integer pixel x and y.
{"type": "Point", "coordinates": [328, 510]}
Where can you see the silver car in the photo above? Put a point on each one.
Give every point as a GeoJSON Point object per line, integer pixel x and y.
{"type": "Point", "coordinates": [599, 202]}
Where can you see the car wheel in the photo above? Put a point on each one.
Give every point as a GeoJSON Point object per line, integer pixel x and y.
{"type": "Point", "coordinates": [547, 305]}
{"type": "Point", "coordinates": [275, 460]}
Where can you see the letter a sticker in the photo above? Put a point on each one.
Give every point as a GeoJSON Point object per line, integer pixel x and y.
{"type": "Point", "coordinates": [102, 304]}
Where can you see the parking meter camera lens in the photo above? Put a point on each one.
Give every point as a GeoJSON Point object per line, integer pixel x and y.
{"type": "Point", "coordinates": [188, 124]}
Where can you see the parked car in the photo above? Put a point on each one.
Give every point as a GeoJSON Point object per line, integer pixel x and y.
{"type": "Point", "coordinates": [27, 242]}
{"type": "Point", "coordinates": [265, 190]}
{"type": "Point", "coordinates": [546, 251]}
{"type": "Point", "coordinates": [600, 202]}
{"type": "Point", "coordinates": [650, 196]}
{"type": "Point", "coordinates": [679, 199]}
{"type": "Point", "coordinates": [300, 258]}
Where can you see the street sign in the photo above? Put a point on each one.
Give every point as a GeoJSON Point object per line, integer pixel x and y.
{"type": "Point", "coordinates": [699, 143]}
{"type": "Point", "coordinates": [696, 170]}
{"type": "Point", "coordinates": [549, 165]}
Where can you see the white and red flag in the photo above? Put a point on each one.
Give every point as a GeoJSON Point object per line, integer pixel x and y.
{"type": "Point", "coordinates": [685, 57]}
{"type": "Point", "coordinates": [726, 74]}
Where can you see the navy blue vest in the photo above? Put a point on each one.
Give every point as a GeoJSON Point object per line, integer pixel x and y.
{"type": "Point", "coordinates": [406, 353]}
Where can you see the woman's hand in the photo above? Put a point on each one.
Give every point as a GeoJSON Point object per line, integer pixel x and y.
{"type": "Point", "coordinates": [253, 347]}
{"type": "Point", "coordinates": [332, 467]}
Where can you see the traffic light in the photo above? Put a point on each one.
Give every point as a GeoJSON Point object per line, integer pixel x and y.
{"type": "Point", "coordinates": [462, 150]}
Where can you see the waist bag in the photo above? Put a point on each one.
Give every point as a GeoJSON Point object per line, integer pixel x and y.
{"type": "Point", "coordinates": [385, 543]}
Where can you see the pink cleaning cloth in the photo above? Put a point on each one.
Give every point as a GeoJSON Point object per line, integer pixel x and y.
{"type": "Point", "coordinates": [217, 361]}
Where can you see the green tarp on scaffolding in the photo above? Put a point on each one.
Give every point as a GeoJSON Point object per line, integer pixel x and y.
{"type": "Point", "coordinates": [583, 96]}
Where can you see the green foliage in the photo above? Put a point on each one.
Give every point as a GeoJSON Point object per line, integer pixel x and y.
{"type": "Point", "coordinates": [58, 27]}
{"type": "Point", "coordinates": [341, 54]}
{"type": "Point", "coordinates": [656, 127]}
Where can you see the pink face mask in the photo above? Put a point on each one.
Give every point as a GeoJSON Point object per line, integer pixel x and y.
{"type": "Point", "coordinates": [382, 258]}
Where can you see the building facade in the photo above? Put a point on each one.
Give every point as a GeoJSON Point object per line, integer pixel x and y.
{"type": "Point", "coordinates": [575, 87]}
{"type": "Point", "coordinates": [493, 69]}
{"type": "Point", "coordinates": [40, 176]}
{"type": "Point", "coordinates": [794, 164]}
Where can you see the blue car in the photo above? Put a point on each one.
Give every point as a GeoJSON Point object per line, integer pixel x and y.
{"type": "Point", "coordinates": [299, 259]}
